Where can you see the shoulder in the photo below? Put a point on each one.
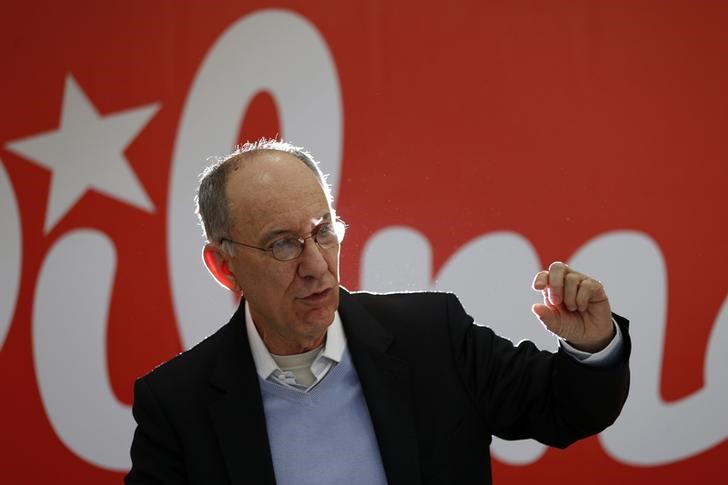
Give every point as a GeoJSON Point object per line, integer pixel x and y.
{"type": "Point", "coordinates": [421, 311]}
{"type": "Point", "coordinates": [406, 301]}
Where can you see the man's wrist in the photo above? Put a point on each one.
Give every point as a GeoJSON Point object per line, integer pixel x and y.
{"type": "Point", "coordinates": [603, 357]}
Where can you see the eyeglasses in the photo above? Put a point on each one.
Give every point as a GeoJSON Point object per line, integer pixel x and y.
{"type": "Point", "coordinates": [327, 235]}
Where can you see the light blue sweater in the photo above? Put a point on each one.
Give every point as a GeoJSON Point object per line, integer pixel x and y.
{"type": "Point", "coordinates": [324, 436]}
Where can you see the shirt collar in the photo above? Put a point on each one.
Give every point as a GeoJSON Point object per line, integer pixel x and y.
{"type": "Point", "coordinates": [264, 363]}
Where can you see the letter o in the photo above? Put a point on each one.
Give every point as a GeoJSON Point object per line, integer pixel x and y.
{"type": "Point", "coordinates": [273, 50]}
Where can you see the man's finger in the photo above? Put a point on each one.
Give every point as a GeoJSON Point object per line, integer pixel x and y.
{"type": "Point", "coordinates": [571, 287]}
{"type": "Point", "coordinates": [590, 290]}
{"type": "Point", "coordinates": [540, 281]}
{"type": "Point", "coordinates": [557, 272]}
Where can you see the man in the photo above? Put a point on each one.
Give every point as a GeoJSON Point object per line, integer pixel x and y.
{"type": "Point", "coordinates": [309, 383]}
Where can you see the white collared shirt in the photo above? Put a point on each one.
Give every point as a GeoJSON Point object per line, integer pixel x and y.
{"type": "Point", "coordinates": [329, 355]}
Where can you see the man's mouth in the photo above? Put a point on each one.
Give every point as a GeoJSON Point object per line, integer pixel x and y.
{"type": "Point", "coordinates": [317, 297]}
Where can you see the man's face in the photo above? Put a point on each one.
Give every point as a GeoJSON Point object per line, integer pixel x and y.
{"type": "Point", "coordinates": [274, 195]}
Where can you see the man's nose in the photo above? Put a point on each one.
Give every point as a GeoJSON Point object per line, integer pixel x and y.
{"type": "Point", "coordinates": [312, 261]}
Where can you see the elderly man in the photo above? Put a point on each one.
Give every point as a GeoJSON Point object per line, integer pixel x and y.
{"type": "Point", "coordinates": [311, 384]}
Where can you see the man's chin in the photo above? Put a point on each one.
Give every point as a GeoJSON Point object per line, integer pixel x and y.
{"type": "Point", "coordinates": [322, 317]}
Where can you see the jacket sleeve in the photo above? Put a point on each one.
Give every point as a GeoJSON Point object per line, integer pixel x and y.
{"type": "Point", "coordinates": [522, 392]}
{"type": "Point", "coordinates": [156, 452]}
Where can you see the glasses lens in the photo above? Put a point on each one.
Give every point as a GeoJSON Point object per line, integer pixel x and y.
{"type": "Point", "coordinates": [326, 236]}
{"type": "Point", "coordinates": [286, 249]}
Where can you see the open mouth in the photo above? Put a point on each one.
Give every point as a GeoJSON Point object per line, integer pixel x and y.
{"type": "Point", "coordinates": [317, 297]}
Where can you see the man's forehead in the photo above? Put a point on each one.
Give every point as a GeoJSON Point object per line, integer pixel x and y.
{"type": "Point", "coordinates": [270, 167]}
{"type": "Point", "coordinates": [259, 160]}
{"type": "Point", "coordinates": [272, 184]}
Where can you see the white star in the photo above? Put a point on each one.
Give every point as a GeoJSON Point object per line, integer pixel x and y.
{"type": "Point", "coordinates": [87, 152]}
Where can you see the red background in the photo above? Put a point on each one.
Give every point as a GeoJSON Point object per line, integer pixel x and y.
{"type": "Point", "coordinates": [557, 120]}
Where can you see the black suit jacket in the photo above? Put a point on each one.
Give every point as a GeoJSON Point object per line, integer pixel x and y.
{"type": "Point", "coordinates": [436, 385]}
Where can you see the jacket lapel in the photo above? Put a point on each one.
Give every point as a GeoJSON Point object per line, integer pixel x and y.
{"type": "Point", "coordinates": [386, 385]}
{"type": "Point", "coordinates": [236, 410]}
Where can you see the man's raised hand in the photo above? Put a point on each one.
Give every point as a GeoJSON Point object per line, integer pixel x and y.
{"type": "Point", "coordinates": [575, 307]}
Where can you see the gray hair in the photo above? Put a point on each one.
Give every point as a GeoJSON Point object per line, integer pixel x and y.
{"type": "Point", "coordinates": [211, 204]}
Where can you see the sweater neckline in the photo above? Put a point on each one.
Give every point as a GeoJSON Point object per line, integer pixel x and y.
{"type": "Point", "coordinates": [335, 374]}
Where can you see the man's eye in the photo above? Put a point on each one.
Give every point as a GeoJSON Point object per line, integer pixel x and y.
{"type": "Point", "coordinates": [286, 243]}
{"type": "Point", "coordinates": [326, 229]}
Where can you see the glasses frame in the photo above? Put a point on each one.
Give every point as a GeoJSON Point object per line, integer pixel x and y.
{"type": "Point", "coordinates": [338, 225]}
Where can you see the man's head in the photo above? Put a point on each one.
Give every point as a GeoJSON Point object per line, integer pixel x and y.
{"type": "Point", "coordinates": [260, 194]}
{"type": "Point", "coordinates": [212, 205]}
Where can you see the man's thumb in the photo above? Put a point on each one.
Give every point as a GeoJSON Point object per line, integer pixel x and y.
{"type": "Point", "coordinates": [547, 316]}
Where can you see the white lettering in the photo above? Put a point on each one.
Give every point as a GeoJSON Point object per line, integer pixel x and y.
{"type": "Point", "coordinates": [272, 50]}
{"type": "Point", "coordinates": [650, 431]}
{"type": "Point", "coordinates": [70, 314]}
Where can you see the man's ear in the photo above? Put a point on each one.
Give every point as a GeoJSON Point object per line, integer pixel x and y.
{"type": "Point", "coordinates": [218, 266]}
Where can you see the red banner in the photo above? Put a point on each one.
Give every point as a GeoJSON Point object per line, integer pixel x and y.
{"type": "Point", "coordinates": [469, 145]}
